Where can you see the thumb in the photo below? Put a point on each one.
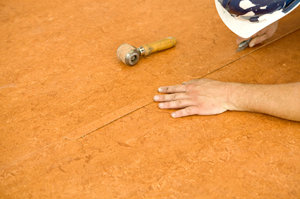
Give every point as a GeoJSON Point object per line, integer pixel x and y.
{"type": "Point", "coordinates": [258, 40]}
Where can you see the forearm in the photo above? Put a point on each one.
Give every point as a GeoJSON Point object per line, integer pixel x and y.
{"type": "Point", "coordinates": [281, 100]}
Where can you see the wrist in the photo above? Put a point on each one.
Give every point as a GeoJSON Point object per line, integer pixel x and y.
{"type": "Point", "coordinates": [236, 97]}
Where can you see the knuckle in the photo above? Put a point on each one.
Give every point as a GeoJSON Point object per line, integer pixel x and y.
{"type": "Point", "coordinates": [180, 113]}
{"type": "Point", "coordinates": [166, 105]}
{"type": "Point", "coordinates": [181, 88]}
{"type": "Point", "coordinates": [190, 87]}
{"type": "Point", "coordinates": [173, 97]}
{"type": "Point", "coordinates": [178, 103]}
{"type": "Point", "coordinates": [172, 104]}
{"type": "Point", "coordinates": [189, 110]}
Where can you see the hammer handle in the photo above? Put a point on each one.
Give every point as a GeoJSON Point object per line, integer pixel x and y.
{"type": "Point", "coordinates": [160, 45]}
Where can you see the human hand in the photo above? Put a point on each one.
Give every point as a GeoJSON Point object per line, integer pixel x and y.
{"type": "Point", "coordinates": [261, 36]}
{"type": "Point", "coordinates": [196, 97]}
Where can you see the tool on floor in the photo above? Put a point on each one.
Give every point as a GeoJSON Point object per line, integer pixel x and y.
{"type": "Point", "coordinates": [243, 45]}
{"type": "Point", "coordinates": [130, 55]}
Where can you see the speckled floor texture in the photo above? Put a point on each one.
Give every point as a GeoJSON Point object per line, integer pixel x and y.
{"type": "Point", "coordinates": [77, 123]}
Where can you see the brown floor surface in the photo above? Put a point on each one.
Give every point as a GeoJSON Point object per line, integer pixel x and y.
{"type": "Point", "coordinates": [77, 123]}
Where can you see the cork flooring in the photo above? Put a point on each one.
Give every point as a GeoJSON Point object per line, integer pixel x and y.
{"type": "Point", "coordinates": [77, 123]}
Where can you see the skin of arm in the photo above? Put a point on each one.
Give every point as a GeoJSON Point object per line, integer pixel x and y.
{"type": "Point", "coordinates": [210, 97]}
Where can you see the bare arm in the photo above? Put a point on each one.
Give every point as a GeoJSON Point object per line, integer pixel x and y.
{"type": "Point", "coordinates": [209, 97]}
{"type": "Point", "coordinates": [281, 100]}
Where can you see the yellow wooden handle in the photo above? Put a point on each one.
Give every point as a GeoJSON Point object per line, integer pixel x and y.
{"type": "Point", "coordinates": [160, 45]}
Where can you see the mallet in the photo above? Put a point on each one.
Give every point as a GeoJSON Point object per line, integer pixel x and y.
{"type": "Point", "coordinates": [130, 55]}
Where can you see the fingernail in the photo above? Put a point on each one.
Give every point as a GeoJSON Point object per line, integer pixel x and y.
{"type": "Point", "coordinates": [161, 105]}
{"type": "Point", "coordinates": [251, 44]}
{"type": "Point", "coordinates": [160, 89]}
{"type": "Point", "coordinates": [156, 98]}
{"type": "Point", "coordinates": [173, 115]}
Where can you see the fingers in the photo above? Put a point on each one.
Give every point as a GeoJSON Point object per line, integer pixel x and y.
{"type": "Point", "coordinates": [191, 110]}
{"type": "Point", "coordinates": [240, 40]}
{"type": "Point", "coordinates": [172, 89]}
{"type": "Point", "coordinates": [264, 34]}
{"type": "Point", "coordinates": [175, 104]}
{"type": "Point", "coordinates": [170, 97]}
{"type": "Point", "coordinates": [258, 40]}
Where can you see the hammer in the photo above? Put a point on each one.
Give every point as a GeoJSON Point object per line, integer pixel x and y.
{"type": "Point", "coordinates": [130, 55]}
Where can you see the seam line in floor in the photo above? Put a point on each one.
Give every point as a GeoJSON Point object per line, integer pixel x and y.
{"type": "Point", "coordinates": [143, 106]}
{"type": "Point", "coordinates": [209, 73]}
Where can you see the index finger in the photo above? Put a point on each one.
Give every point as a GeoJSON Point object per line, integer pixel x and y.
{"type": "Point", "coordinates": [240, 40]}
{"type": "Point", "coordinates": [172, 89]}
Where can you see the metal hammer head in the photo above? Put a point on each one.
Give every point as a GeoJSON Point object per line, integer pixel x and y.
{"type": "Point", "coordinates": [128, 54]}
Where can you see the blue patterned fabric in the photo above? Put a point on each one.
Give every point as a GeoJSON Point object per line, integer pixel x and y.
{"type": "Point", "coordinates": [253, 9]}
